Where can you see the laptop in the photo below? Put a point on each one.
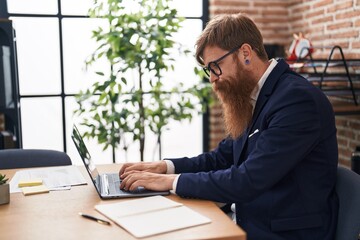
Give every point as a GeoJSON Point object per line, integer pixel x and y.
{"type": "Point", "coordinates": [108, 184]}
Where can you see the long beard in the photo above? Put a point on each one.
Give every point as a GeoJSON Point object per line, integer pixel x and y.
{"type": "Point", "coordinates": [234, 94]}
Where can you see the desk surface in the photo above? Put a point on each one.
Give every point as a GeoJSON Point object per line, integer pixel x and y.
{"type": "Point", "coordinates": [54, 215]}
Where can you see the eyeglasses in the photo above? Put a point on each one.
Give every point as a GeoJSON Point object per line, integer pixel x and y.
{"type": "Point", "coordinates": [214, 67]}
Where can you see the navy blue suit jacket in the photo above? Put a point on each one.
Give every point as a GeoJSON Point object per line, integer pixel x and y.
{"type": "Point", "coordinates": [281, 172]}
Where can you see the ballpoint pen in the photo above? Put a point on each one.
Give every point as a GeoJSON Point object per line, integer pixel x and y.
{"type": "Point", "coordinates": [94, 218]}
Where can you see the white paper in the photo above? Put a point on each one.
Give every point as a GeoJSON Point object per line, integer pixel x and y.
{"type": "Point", "coordinates": [162, 221]}
{"type": "Point", "coordinates": [151, 215]}
{"type": "Point", "coordinates": [55, 178]}
{"type": "Point", "coordinates": [132, 207]}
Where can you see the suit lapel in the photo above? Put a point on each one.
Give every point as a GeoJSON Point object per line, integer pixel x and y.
{"type": "Point", "coordinates": [264, 94]}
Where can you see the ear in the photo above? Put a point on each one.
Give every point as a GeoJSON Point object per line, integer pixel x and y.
{"type": "Point", "coordinates": [246, 50]}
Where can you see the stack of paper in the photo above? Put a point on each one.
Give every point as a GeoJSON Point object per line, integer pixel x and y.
{"type": "Point", "coordinates": [54, 178]}
{"type": "Point", "coordinates": [151, 215]}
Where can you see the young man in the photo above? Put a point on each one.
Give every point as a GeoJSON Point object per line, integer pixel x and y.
{"type": "Point", "coordinates": [279, 163]}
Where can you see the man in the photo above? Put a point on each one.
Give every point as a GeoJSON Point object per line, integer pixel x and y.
{"type": "Point", "coordinates": [279, 163]}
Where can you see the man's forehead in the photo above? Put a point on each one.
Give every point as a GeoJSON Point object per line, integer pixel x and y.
{"type": "Point", "coordinates": [211, 52]}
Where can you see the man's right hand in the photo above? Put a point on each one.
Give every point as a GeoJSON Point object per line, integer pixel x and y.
{"type": "Point", "coordinates": [153, 167]}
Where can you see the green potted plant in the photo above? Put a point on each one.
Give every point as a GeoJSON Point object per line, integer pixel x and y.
{"type": "Point", "coordinates": [4, 190]}
{"type": "Point", "coordinates": [131, 98]}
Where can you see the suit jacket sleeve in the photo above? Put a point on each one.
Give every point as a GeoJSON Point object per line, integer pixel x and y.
{"type": "Point", "coordinates": [220, 158]}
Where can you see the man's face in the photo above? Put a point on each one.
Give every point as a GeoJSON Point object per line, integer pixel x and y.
{"type": "Point", "coordinates": [226, 66]}
{"type": "Point", "coordinates": [233, 88]}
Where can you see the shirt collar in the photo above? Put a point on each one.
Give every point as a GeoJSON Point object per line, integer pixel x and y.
{"type": "Point", "coordinates": [254, 95]}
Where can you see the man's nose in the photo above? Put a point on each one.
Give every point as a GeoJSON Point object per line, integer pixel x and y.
{"type": "Point", "coordinates": [213, 78]}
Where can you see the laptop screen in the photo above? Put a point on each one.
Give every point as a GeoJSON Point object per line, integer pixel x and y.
{"type": "Point", "coordinates": [84, 154]}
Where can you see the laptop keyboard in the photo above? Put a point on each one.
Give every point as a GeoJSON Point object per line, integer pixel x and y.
{"type": "Point", "coordinates": [114, 184]}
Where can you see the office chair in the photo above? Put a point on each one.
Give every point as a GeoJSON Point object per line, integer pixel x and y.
{"type": "Point", "coordinates": [348, 190]}
{"type": "Point", "coordinates": [25, 158]}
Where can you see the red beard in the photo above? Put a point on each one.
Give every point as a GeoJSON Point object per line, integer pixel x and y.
{"type": "Point", "coordinates": [234, 94]}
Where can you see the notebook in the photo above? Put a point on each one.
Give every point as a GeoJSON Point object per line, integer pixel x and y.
{"type": "Point", "coordinates": [107, 184]}
{"type": "Point", "coordinates": [149, 216]}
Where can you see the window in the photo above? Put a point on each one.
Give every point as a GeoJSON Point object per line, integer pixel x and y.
{"type": "Point", "coordinates": [53, 41]}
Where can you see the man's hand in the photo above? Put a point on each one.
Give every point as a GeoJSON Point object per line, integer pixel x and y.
{"type": "Point", "coordinates": [152, 167]}
{"type": "Point", "coordinates": [151, 181]}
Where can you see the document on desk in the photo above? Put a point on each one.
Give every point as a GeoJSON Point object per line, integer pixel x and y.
{"type": "Point", "coordinates": [54, 178]}
{"type": "Point", "coordinates": [149, 216]}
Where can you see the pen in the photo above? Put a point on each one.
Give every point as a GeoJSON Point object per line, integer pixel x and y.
{"type": "Point", "coordinates": [94, 218]}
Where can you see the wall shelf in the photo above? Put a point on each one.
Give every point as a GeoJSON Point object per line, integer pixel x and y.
{"type": "Point", "coordinates": [339, 78]}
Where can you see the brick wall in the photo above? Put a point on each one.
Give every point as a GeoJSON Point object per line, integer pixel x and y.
{"type": "Point", "coordinates": [324, 22]}
{"type": "Point", "coordinates": [328, 23]}
{"type": "Point", "coordinates": [348, 132]}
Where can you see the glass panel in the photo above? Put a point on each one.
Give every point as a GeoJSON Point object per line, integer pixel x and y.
{"type": "Point", "coordinates": [76, 36]}
{"type": "Point", "coordinates": [97, 154]}
{"type": "Point", "coordinates": [38, 55]}
{"type": "Point", "coordinates": [179, 140]}
{"type": "Point", "coordinates": [188, 8]}
{"type": "Point", "coordinates": [32, 6]}
{"type": "Point", "coordinates": [184, 65]}
{"type": "Point", "coordinates": [78, 45]}
{"type": "Point", "coordinates": [41, 123]}
{"type": "Point", "coordinates": [78, 7]}
{"type": "Point", "coordinates": [183, 139]}
{"type": "Point", "coordinates": [81, 7]}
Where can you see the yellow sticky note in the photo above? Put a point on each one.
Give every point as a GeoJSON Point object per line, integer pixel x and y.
{"type": "Point", "coordinates": [30, 182]}
{"type": "Point", "coordinates": [34, 190]}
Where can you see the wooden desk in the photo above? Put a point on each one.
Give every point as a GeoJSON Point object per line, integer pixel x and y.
{"type": "Point", "coordinates": [54, 215]}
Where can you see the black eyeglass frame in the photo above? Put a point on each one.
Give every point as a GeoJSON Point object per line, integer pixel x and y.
{"type": "Point", "coordinates": [216, 63]}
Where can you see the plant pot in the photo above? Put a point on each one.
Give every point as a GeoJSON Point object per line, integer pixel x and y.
{"type": "Point", "coordinates": [4, 194]}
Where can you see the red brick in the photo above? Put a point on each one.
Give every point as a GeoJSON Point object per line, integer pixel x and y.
{"type": "Point", "coordinates": [343, 45]}
{"type": "Point", "coordinates": [322, 20]}
{"type": "Point", "coordinates": [300, 9]}
{"type": "Point", "coordinates": [353, 55]}
{"type": "Point", "coordinates": [291, 3]}
{"type": "Point", "coordinates": [352, 146]}
{"type": "Point", "coordinates": [320, 37]}
{"type": "Point", "coordinates": [293, 18]}
{"type": "Point", "coordinates": [354, 125]}
{"type": "Point", "coordinates": [341, 121]}
{"type": "Point", "coordinates": [274, 4]}
{"type": "Point", "coordinates": [344, 162]}
{"type": "Point", "coordinates": [347, 15]}
{"type": "Point", "coordinates": [357, 22]}
{"type": "Point", "coordinates": [314, 14]}
{"type": "Point", "coordinates": [343, 142]}
{"type": "Point", "coordinates": [269, 20]}
{"type": "Point", "coordinates": [322, 3]}
{"type": "Point", "coordinates": [340, 6]}
{"type": "Point", "coordinates": [356, 45]}
{"type": "Point", "coordinates": [229, 3]}
{"type": "Point", "coordinates": [219, 11]}
{"type": "Point", "coordinates": [277, 12]}
{"type": "Point", "coordinates": [336, 26]}
{"type": "Point", "coordinates": [302, 25]}
{"type": "Point", "coordinates": [347, 34]}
